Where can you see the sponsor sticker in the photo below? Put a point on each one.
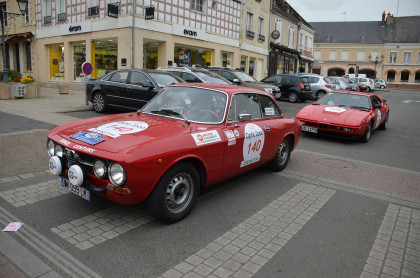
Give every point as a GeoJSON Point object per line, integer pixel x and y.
{"type": "Point", "coordinates": [207, 137]}
{"type": "Point", "coordinates": [116, 129]}
{"type": "Point", "coordinates": [64, 142]}
{"type": "Point", "coordinates": [335, 109]}
{"type": "Point", "coordinates": [253, 144]}
{"type": "Point", "coordinates": [378, 119]}
{"type": "Point", "coordinates": [231, 141]}
{"type": "Point", "coordinates": [91, 138]}
{"type": "Point", "coordinates": [269, 111]}
{"type": "Point", "coordinates": [229, 134]}
{"type": "Point", "coordinates": [83, 148]}
{"type": "Point", "coordinates": [236, 133]}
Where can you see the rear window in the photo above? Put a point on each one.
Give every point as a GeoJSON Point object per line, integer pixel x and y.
{"type": "Point", "coordinates": [163, 79]}
{"type": "Point", "coordinates": [211, 77]}
{"type": "Point", "coordinates": [327, 81]}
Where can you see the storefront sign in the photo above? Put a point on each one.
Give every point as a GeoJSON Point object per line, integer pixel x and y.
{"type": "Point", "coordinates": [307, 53]}
{"type": "Point", "coordinates": [188, 32]}
{"type": "Point", "coordinates": [150, 13]}
{"type": "Point", "coordinates": [275, 34]}
{"type": "Point", "coordinates": [80, 27]}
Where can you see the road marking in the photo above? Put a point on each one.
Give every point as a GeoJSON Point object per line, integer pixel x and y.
{"type": "Point", "coordinates": [396, 251]}
{"type": "Point", "coordinates": [30, 194]}
{"type": "Point", "coordinates": [245, 249]}
{"type": "Point", "coordinates": [53, 253]}
{"type": "Point", "coordinates": [101, 226]}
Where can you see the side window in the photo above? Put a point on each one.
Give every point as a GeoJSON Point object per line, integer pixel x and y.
{"type": "Point", "coordinates": [273, 79]}
{"type": "Point", "coordinates": [190, 78]}
{"type": "Point", "coordinates": [228, 76]}
{"type": "Point", "coordinates": [269, 108]}
{"type": "Point", "coordinates": [120, 77]}
{"type": "Point", "coordinates": [375, 101]}
{"type": "Point", "coordinates": [286, 79]}
{"type": "Point", "coordinates": [313, 79]}
{"type": "Point", "coordinates": [244, 104]}
{"type": "Point", "coordinates": [138, 78]}
{"type": "Point", "coordinates": [177, 73]}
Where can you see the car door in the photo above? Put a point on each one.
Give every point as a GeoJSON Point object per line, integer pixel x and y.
{"type": "Point", "coordinates": [251, 134]}
{"type": "Point", "coordinates": [140, 90]}
{"type": "Point", "coordinates": [116, 88]}
{"type": "Point", "coordinates": [380, 112]}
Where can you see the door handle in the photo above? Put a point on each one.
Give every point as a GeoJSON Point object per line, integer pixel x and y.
{"type": "Point", "coordinates": [267, 128]}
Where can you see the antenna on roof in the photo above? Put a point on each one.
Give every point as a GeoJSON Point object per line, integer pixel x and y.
{"type": "Point", "coordinates": [398, 7]}
{"type": "Point", "coordinates": [344, 13]}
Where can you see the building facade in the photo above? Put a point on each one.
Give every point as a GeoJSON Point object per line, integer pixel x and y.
{"type": "Point", "coordinates": [387, 49]}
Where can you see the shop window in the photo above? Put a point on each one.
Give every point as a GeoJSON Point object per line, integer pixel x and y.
{"type": "Point", "coordinates": [28, 56]}
{"type": "Point", "coordinates": [79, 57]}
{"type": "Point", "coordinates": [186, 56]}
{"type": "Point", "coordinates": [243, 63]}
{"type": "Point", "coordinates": [197, 5]}
{"type": "Point", "coordinates": [226, 59]}
{"type": "Point", "coordinates": [105, 53]}
{"type": "Point", "coordinates": [405, 75]}
{"type": "Point", "coordinates": [56, 62]}
{"type": "Point", "coordinates": [251, 66]}
{"type": "Point", "coordinates": [417, 77]}
{"type": "Point", "coordinates": [390, 76]}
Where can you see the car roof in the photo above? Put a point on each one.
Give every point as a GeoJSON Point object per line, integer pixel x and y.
{"type": "Point", "coordinates": [229, 89]}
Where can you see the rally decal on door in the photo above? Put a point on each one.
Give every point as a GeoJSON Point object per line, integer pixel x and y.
{"type": "Point", "coordinates": [253, 144]}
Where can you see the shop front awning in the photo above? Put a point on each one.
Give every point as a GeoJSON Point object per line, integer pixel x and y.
{"type": "Point", "coordinates": [284, 49]}
{"type": "Point", "coordinates": [17, 37]}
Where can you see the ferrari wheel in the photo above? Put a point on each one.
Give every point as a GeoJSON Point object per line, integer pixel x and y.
{"type": "Point", "coordinates": [175, 194]}
{"type": "Point", "coordinates": [281, 159]}
{"type": "Point", "coordinates": [365, 138]}
{"type": "Point", "coordinates": [384, 125]}
{"type": "Point", "coordinates": [293, 97]}
{"type": "Point", "coordinates": [99, 102]}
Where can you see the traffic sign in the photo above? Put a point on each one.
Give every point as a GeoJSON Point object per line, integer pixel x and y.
{"type": "Point", "coordinates": [87, 68]}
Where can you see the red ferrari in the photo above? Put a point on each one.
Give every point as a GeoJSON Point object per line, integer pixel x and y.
{"type": "Point", "coordinates": [346, 114]}
{"type": "Point", "coordinates": [187, 137]}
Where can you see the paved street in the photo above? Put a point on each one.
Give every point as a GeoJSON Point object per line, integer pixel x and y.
{"type": "Point", "coordinates": [340, 209]}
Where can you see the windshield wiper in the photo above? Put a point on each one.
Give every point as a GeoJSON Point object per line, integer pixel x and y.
{"type": "Point", "coordinates": [360, 107]}
{"type": "Point", "coordinates": [170, 112]}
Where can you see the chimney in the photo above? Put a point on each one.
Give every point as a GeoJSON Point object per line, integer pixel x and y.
{"type": "Point", "coordinates": [383, 19]}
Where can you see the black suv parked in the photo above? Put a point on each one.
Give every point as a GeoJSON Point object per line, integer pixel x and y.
{"type": "Point", "coordinates": [292, 87]}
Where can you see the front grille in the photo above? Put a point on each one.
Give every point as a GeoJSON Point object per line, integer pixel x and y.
{"type": "Point", "coordinates": [311, 124]}
{"type": "Point", "coordinates": [73, 157]}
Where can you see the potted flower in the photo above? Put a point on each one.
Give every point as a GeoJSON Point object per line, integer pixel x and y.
{"type": "Point", "coordinates": [32, 88]}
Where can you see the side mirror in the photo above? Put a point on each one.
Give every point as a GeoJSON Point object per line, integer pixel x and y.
{"type": "Point", "coordinates": [244, 117]}
{"type": "Point", "coordinates": [148, 85]}
{"type": "Point", "coordinates": [378, 105]}
{"type": "Point", "coordinates": [236, 81]}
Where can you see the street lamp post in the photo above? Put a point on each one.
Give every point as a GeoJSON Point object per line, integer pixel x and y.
{"type": "Point", "coordinates": [23, 7]}
{"type": "Point", "coordinates": [376, 61]}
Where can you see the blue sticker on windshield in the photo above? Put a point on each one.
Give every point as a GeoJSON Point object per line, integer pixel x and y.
{"type": "Point", "coordinates": [91, 138]}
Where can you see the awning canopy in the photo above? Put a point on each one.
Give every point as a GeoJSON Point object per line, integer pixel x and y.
{"type": "Point", "coordinates": [17, 37]}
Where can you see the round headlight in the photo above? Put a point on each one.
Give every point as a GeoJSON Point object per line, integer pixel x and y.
{"type": "Point", "coordinates": [99, 169]}
{"type": "Point", "coordinates": [117, 174]}
{"type": "Point", "coordinates": [58, 150]}
{"type": "Point", "coordinates": [50, 147]}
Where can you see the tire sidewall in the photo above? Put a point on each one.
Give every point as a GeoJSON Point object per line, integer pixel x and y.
{"type": "Point", "coordinates": [156, 200]}
{"type": "Point", "coordinates": [295, 98]}
{"type": "Point", "coordinates": [366, 136]}
{"type": "Point", "coordinates": [276, 164]}
{"type": "Point", "coordinates": [104, 100]}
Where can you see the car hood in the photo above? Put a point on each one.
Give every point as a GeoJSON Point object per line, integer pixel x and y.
{"type": "Point", "coordinates": [332, 115]}
{"type": "Point", "coordinates": [260, 85]}
{"type": "Point", "coordinates": [119, 132]}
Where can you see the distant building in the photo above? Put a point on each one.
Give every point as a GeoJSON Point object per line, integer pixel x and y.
{"type": "Point", "coordinates": [388, 49]}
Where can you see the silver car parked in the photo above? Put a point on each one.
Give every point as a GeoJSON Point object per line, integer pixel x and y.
{"type": "Point", "coordinates": [339, 83]}
{"type": "Point", "coordinates": [320, 85]}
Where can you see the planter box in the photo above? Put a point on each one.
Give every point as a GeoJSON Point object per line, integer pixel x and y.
{"type": "Point", "coordinates": [5, 91]}
{"type": "Point", "coordinates": [19, 90]}
{"type": "Point", "coordinates": [33, 90]}
{"type": "Point", "coordinates": [63, 88]}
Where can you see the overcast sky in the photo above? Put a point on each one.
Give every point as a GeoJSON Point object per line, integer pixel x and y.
{"type": "Point", "coordinates": [356, 10]}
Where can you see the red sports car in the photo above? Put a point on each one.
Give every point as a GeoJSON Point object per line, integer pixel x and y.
{"type": "Point", "coordinates": [346, 114]}
{"type": "Point", "coordinates": [187, 137]}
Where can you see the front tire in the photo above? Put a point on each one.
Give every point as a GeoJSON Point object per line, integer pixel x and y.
{"type": "Point", "coordinates": [282, 157]}
{"type": "Point", "coordinates": [174, 195]}
{"type": "Point", "coordinates": [365, 138]}
{"type": "Point", "coordinates": [384, 125]}
{"type": "Point", "coordinates": [293, 97]}
{"type": "Point", "coordinates": [99, 102]}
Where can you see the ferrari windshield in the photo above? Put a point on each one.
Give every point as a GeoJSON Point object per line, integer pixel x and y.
{"type": "Point", "coordinates": [189, 103]}
{"type": "Point", "coordinates": [347, 100]}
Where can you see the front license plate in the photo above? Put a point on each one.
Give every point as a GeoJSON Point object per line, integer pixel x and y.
{"type": "Point", "coordinates": [309, 129]}
{"type": "Point", "coordinates": [80, 191]}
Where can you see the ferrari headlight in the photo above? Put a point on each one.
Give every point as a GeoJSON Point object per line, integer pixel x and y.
{"type": "Point", "coordinates": [117, 174]}
{"type": "Point", "coordinates": [50, 147]}
{"type": "Point", "coordinates": [58, 150]}
{"type": "Point", "coordinates": [99, 169]}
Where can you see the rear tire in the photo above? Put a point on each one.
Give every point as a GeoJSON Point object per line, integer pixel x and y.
{"type": "Point", "coordinates": [365, 138]}
{"type": "Point", "coordinates": [174, 195]}
{"type": "Point", "coordinates": [99, 102]}
{"type": "Point", "coordinates": [282, 157]}
{"type": "Point", "coordinates": [368, 89]}
{"type": "Point", "coordinates": [384, 125]}
{"type": "Point", "coordinates": [382, 87]}
{"type": "Point", "coordinates": [293, 97]}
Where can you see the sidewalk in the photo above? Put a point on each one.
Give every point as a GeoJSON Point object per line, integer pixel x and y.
{"type": "Point", "coordinates": [48, 106]}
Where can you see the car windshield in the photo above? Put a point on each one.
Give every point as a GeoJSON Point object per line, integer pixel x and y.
{"type": "Point", "coordinates": [211, 77]}
{"type": "Point", "coordinates": [245, 77]}
{"type": "Point", "coordinates": [163, 79]}
{"type": "Point", "coordinates": [189, 103]}
{"type": "Point", "coordinates": [345, 100]}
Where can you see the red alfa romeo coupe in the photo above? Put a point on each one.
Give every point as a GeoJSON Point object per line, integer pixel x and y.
{"type": "Point", "coordinates": [346, 114]}
{"type": "Point", "coordinates": [187, 137]}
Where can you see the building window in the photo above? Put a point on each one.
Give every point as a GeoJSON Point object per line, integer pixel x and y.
{"type": "Point", "coordinates": [28, 56]}
{"type": "Point", "coordinates": [46, 11]}
{"type": "Point", "coordinates": [317, 55]}
{"type": "Point", "coordinates": [249, 26]}
{"type": "Point", "coordinates": [93, 7]}
{"type": "Point", "coordinates": [361, 55]}
{"type": "Point", "coordinates": [261, 36]}
{"type": "Point", "coordinates": [344, 55]}
{"type": "Point", "coordinates": [333, 55]}
{"type": "Point", "coordinates": [393, 57]}
{"type": "Point", "coordinates": [197, 5]}
{"type": "Point", "coordinates": [374, 55]}
{"type": "Point", "coordinates": [407, 58]}
{"type": "Point", "coordinates": [306, 42]}
{"type": "Point", "coordinates": [61, 10]}
{"type": "Point", "coordinates": [301, 40]}
{"type": "Point", "coordinates": [417, 77]}
{"type": "Point", "coordinates": [310, 44]}
{"type": "Point", "coordinates": [390, 77]}
{"type": "Point", "coordinates": [278, 28]}
{"type": "Point", "coordinates": [418, 59]}
{"type": "Point", "coordinates": [291, 36]}
{"type": "Point", "coordinates": [405, 75]}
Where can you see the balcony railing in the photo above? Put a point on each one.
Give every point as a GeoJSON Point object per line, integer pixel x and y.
{"type": "Point", "coordinates": [47, 19]}
{"type": "Point", "coordinates": [93, 11]}
{"type": "Point", "coordinates": [250, 34]}
{"type": "Point", "coordinates": [61, 17]}
{"type": "Point", "coordinates": [261, 38]}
